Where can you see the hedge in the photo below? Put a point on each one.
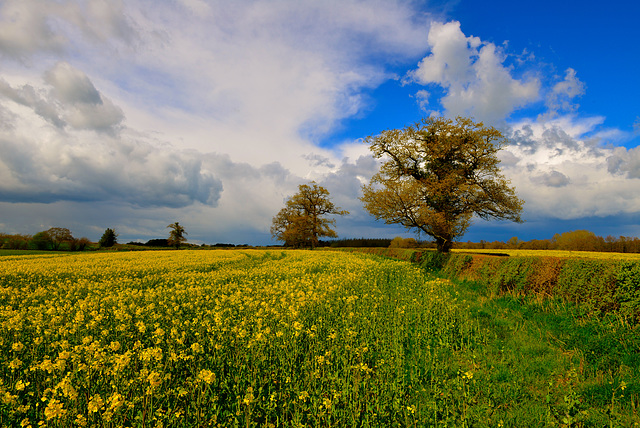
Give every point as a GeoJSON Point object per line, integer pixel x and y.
{"type": "Point", "coordinates": [599, 286]}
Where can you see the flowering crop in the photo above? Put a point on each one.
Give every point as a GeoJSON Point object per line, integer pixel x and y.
{"type": "Point", "coordinates": [218, 338]}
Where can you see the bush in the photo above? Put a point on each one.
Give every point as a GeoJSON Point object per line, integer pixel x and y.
{"type": "Point", "coordinates": [627, 292]}
{"type": "Point", "coordinates": [399, 242]}
{"type": "Point", "coordinates": [599, 286]}
{"type": "Point", "coordinates": [431, 261]}
{"type": "Point", "coordinates": [589, 282]}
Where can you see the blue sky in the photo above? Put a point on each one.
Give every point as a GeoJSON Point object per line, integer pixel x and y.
{"type": "Point", "coordinates": [136, 114]}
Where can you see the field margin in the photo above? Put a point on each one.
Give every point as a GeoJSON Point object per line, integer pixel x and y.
{"type": "Point", "coordinates": [599, 285]}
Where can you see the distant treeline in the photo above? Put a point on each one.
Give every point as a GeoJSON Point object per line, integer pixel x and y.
{"type": "Point", "coordinates": [165, 243]}
{"type": "Point", "coordinates": [61, 239]}
{"type": "Point", "coordinates": [577, 240]}
{"type": "Point", "coordinates": [355, 242]}
{"type": "Point", "coordinates": [55, 239]}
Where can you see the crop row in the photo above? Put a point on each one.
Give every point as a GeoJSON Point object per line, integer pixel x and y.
{"type": "Point", "coordinates": [226, 338]}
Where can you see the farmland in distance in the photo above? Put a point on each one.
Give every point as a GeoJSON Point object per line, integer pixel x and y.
{"type": "Point", "coordinates": [294, 338]}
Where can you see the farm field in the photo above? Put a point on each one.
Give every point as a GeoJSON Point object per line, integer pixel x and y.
{"type": "Point", "coordinates": [555, 253]}
{"type": "Point", "coordinates": [295, 338]}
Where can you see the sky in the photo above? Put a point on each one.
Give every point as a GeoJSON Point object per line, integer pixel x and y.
{"type": "Point", "coordinates": [135, 114]}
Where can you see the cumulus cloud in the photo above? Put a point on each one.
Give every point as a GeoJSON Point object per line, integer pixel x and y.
{"type": "Point", "coordinates": [31, 26]}
{"type": "Point", "coordinates": [84, 107]}
{"type": "Point", "coordinates": [561, 171]}
{"type": "Point", "coordinates": [625, 161]}
{"type": "Point", "coordinates": [27, 96]}
{"type": "Point", "coordinates": [123, 170]}
{"type": "Point", "coordinates": [473, 73]}
{"type": "Point", "coordinates": [45, 159]}
{"type": "Point", "coordinates": [71, 99]}
{"type": "Point", "coordinates": [552, 179]}
{"type": "Point", "coordinates": [315, 160]}
{"type": "Point", "coordinates": [562, 95]}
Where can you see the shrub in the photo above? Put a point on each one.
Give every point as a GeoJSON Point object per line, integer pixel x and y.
{"type": "Point", "coordinates": [589, 282]}
{"type": "Point", "coordinates": [627, 292]}
{"type": "Point", "coordinates": [432, 261]}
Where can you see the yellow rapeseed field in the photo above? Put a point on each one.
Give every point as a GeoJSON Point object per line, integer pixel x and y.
{"type": "Point", "coordinates": [215, 338]}
{"type": "Point", "coordinates": [555, 253]}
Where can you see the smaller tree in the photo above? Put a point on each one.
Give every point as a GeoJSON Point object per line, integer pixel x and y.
{"type": "Point", "coordinates": [59, 235]}
{"type": "Point", "coordinates": [514, 243]}
{"type": "Point", "coordinates": [302, 221]}
{"type": "Point", "coordinates": [400, 242]}
{"type": "Point", "coordinates": [176, 235]}
{"type": "Point", "coordinates": [41, 240]}
{"type": "Point", "coordinates": [14, 242]}
{"type": "Point", "coordinates": [109, 238]}
{"type": "Point", "coordinates": [78, 244]}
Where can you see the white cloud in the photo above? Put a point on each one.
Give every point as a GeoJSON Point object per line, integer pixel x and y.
{"type": "Point", "coordinates": [24, 29]}
{"type": "Point", "coordinates": [422, 98]}
{"type": "Point", "coordinates": [561, 171]}
{"type": "Point", "coordinates": [28, 27]}
{"type": "Point", "coordinates": [136, 114]}
{"type": "Point", "coordinates": [625, 161]}
{"type": "Point", "coordinates": [477, 82]}
{"type": "Point", "coordinates": [562, 95]}
{"type": "Point", "coordinates": [82, 105]}
{"type": "Point", "coordinates": [208, 109]}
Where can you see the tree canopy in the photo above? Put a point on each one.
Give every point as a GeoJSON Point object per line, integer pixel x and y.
{"type": "Point", "coordinates": [59, 235]}
{"type": "Point", "coordinates": [176, 235]}
{"type": "Point", "coordinates": [303, 219]}
{"type": "Point", "coordinates": [438, 173]}
{"type": "Point", "coordinates": [109, 238]}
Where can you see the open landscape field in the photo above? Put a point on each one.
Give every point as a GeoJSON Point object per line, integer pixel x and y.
{"type": "Point", "coordinates": [295, 338]}
{"type": "Point", "coordinates": [555, 253]}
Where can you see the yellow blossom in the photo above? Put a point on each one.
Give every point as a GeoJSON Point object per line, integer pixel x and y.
{"type": "Point", "coordinates": [95, 404]}
{"type": "Point", "coordinates": [207, 376]}
{"type": "Point", "coordinates": [20, 385]}
{"type": "Point", "coordinates": [54, 409]}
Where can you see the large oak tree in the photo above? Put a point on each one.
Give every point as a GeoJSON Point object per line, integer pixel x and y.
{"type": "Point", "coordinates": [438, 173]}
{"type": "Point", "coordinates": [303, 219]}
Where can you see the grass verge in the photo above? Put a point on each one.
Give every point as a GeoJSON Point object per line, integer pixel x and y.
{"type": "Point", "coordinates": [539, 363]}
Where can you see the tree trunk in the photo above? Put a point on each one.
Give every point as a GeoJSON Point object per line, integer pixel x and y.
{"type": "Point", "coordinates": [443, 245]}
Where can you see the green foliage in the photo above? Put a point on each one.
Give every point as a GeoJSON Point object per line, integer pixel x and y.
{"type": "Point", "coordinates": [627, 292]}
{"type": "Point", "coordinates": [357, 242]}
{"type": "Point", "coordinates": [60, 236]}
{"type": "Point", "coordinates": [400, 242]}
{"type": "Point", "coordinates": [431, 261]}
{"type": "Point", "coordinates": [41, 241]}
{"type": "Point", "coordinates": [591, 283]}
{"type": "Point", "coordinates": [599, 286]}
{"type": "Point", "coordinates": [176, 235]}
{"type": "Point", "coordinates": [109, 238]}
{"type": "Point", "coordinates": [14, 242]}
{"type": "Point", "coordinates": [454, 263]}
{"type": "Point", "coordinates": [577, 240]}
